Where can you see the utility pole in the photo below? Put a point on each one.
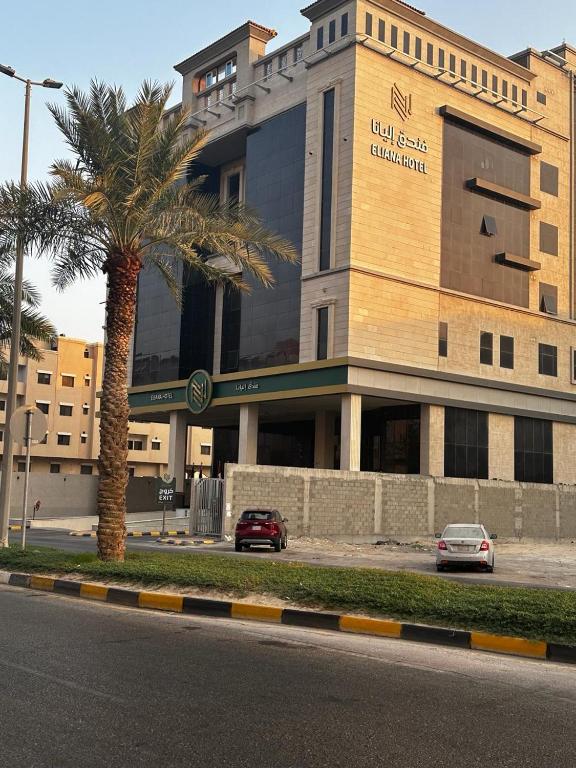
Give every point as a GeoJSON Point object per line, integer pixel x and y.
{"type": "Point", "coordinates": [8, 458]}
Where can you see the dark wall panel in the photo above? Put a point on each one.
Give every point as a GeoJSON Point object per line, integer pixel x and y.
{"type": "Point", "coordinates": [468, 262]}
{"type": "Point", "coordinates": [270, 324]}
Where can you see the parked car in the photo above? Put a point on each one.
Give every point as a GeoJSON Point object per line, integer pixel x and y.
{"type": "Point", "coordinates": [261, 526]}
{"type": "Point", "coordinates": [465, 544]}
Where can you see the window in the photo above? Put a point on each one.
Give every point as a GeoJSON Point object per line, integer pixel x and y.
{"type": "Point", "coordinates": [67, 380]}
{"type": "Point", "coordinates": [63, 438]}
{"type": "Point", "coordinates": [283, 61]}
{"type": "Point", "coordinates": [489, 226]}
{"type": "Point", "coordinates": [85, 409]}
{"type": "Point", "coordinates": [465, 443]}
{"type": "Point", "coordinates": [86, 469]}
{"type": "Point", "coordinates": [44, 440]}
{"type": "Point", "coordinates": [217, 74]}
{"type": "Point", "coordinates": [548, 299]}
{"type": "Point", "coordinates": [524, 98]}
{"type": "Point", "coordinates": [87, 353]}
{"type": "Point", "coordinates": [268, 69]}
{"type": "Point", "coordinates": [332, 31]}
{"type": "Point", "coordinates": [344, 25]}
{"type": "Point", "coordinates": [549, 238]}
{"type": "Point", "coordinates": [430, 54]}
{"type": "Point", "coordinates": [507, 352]}
{"type": "Point", "coordinates": [135, 445]}
{"type": "Point", "coordinates": [484, 80]}
{"type": "Point", "coordinates": [394, 36]}
{"type": "Point", "coordinates": [87, 380]}
{"type": "Point", "coordinates": [205, 449]}
{"type": "Point", "coordinates": [131, 471]}
{"type": "Point", "coordinates": [3, 405]}
{"type": "Point", "coordinates": [382, 30]}
{"type": "Point", "coordinates": [452, 66]}
{"type": "Point", "coordinates": [327, 173]}
{"type": "Point", "coordinates": [83, 438]}
{"type": "Point", "coordinates": [515, 94]}
{"type": "Point", "coordinates": [322, 333]}
{"type": "Point", "coordinates": [486, 348]}
{"type": "Point", "coordinates": [65, 410]}
{"type": "Point", "coordinates": [54, 469]}
{"type": "Point", "coordinates": [505, 88]}
{"type": "Point", "coordinates": [43, 377]}
{"type": "Point", "coordinates": [533, 450]}
{"type": "Point", "coordinates": [320, 38]}
{"type": "Point", "coordinates": [1, 436]}
{"type": "Point", "coordinates": [549, 179]}
{"type": "Point", "coordinates": [547, 360]}
{"type": "Point", "coordinates": [418, 48]}
{"type": "Point", "coordinates": [156, 445]}
{"type": "Point", "coordinates": [443, 340]}
{"type": "Point", "coordinates": [463, 69]}
{"type": "Point", "coordinates": [406, 43]}
{"type": "Point", "coordinates": [573, 364]}
{"type": "Point", "coordinates": [474, 74]}
{"type": "Point", "coordinates": [21, 466]}
{"type": "Point", "coordinates": [42, 406]}
{"type": "Point", "coordinates": [541, 98]}
{"type": "Point", "coordinates": [494, 84]}
{"type": "Point", "coordinates": [298, 53]}
{"type": "Point", "coordinates": [369, 24]}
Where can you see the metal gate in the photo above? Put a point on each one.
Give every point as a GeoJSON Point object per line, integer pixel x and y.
{"type": "Point", "coordinates": [207, 507]}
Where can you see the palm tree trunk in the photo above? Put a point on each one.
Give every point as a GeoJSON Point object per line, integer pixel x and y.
{"type": "Point", "coordinates": [122, 271]}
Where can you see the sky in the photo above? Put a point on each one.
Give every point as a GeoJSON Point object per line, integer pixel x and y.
{"type": "Point", "coordinates": [127, 41]}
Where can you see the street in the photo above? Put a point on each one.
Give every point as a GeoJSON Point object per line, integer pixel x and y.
{"type": "Point", "coordinates": [88, 685]}
{"type": "Point", "coordinates": [552, 568]}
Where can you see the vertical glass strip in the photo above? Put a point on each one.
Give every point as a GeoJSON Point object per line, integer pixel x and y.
{"type": "Point", "coordinates": [327, 174]}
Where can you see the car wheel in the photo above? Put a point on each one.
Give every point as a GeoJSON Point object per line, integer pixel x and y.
{"type": "Point", "coordinates": [490, 568]}
{"type": "Point", "coordinates": [285, 542]}
{"type": "Point", "coordinates": [277, 544]}
{"type": "Point", "coordinates": [440, 568]}
{"type": "Point", "coordinates": [238, 547]}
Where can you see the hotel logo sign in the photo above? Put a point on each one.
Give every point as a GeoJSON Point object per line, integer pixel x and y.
{"type": "Point", "coordinates": [199, 392]}
{"type": "Point", "coordinates": [401, 104]}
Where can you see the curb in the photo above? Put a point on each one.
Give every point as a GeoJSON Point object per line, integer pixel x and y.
{"type": "Point", "coordinates": [135, 534]}
{"type": "Point", "coordinates": [197, 606]}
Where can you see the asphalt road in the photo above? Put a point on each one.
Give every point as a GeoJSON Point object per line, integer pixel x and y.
{"type": "Point", "coordinates": [511, 570]}
{"type": "Point", "coordinates": [88, 685]}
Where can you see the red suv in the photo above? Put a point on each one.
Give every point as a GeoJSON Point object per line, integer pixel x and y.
{"type": "Point", "coordinates": [261, 526]}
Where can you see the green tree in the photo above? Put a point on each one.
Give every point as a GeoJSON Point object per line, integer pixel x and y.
{"type": "Point", "coordinates": [128, 200]}
{"type": "Point", "coordinates": [35, 327]}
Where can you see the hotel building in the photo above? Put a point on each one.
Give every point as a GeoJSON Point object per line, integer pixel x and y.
{"type": "Point", "coordinates": [428, 183]}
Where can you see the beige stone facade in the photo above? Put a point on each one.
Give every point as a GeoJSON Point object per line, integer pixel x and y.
{"type": "Point", "coordinates": [430, 162]}
{"type": "Point", "coordinates": [65, 385]}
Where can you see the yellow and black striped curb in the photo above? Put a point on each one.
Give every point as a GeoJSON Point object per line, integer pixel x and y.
{"type": "Point", "coordinates": [198, 606]}
{"type": "Point", "coordinates": [134, 534]}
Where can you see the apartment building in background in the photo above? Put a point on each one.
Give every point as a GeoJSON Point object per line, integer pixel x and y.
{"type": "Point", "coordinates": [64, 385]}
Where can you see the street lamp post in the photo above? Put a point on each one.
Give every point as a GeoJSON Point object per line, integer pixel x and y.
{"type": "Point", "coordinates": [8, 458]}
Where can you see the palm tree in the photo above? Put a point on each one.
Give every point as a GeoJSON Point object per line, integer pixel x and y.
{"type": "Point", "coordinates": [35, 327]}
{"type": "Point", "coordinates": [124, 202]}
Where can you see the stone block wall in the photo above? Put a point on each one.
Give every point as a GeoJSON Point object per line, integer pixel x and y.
{"type": "Point", "coordinates": [364, 506]}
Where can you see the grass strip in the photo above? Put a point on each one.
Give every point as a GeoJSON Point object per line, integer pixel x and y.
{"type": "Point", "coordinates": [532, 613]}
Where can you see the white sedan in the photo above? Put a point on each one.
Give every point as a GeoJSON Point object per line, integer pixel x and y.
{"type": "Point", "coordinates": [465, 544]}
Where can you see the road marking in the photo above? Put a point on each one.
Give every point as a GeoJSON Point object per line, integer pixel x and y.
{"type": "Point", "coordinates": [61, 681]}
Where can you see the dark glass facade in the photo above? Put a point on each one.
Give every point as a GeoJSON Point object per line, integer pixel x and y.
{"type": "Point", "coordinates": [468, 250]}
{"type": "Point", "coordinates": [391, 440]}
{"type": "Point", "coordinates": [270, 318]}
{"type": "Point", "coordinates": [533, 450]}
{"type": "Point", "coordinates": [465, 443]}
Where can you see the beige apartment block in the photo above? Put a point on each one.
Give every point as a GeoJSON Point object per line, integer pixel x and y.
{"type": "Point", "coordinates": [429, 185]}
{"type": "Point", "coordinates": [65, 384]}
